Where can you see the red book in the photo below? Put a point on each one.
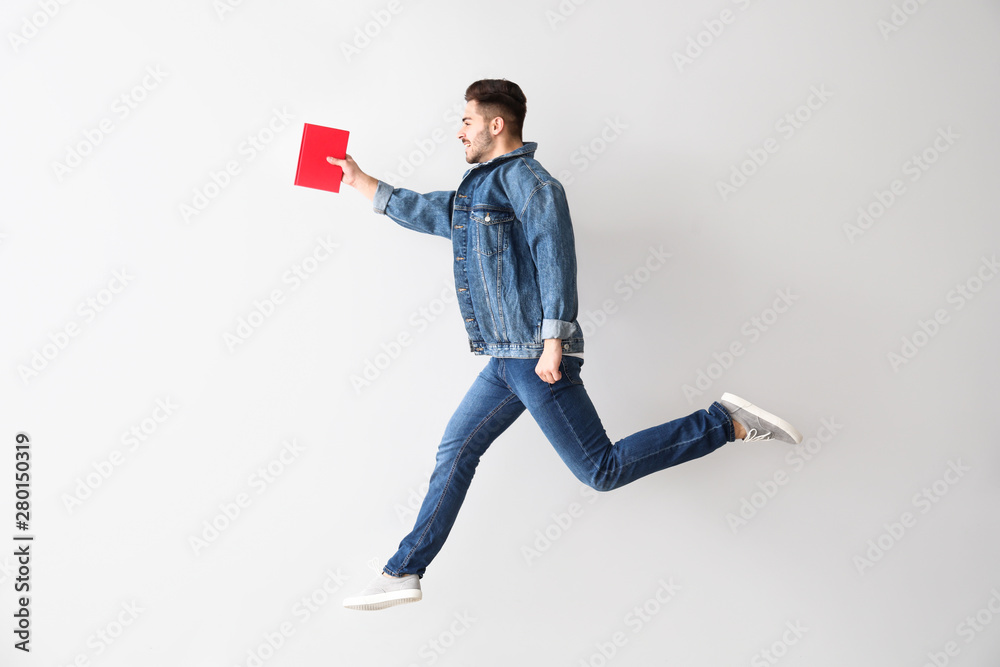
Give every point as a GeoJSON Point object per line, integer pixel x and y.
{"type": "Point", "coordinates": [314, 171]}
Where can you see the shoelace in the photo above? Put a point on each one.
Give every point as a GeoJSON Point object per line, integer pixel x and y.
{"type": "Point", "coordinates": [753, 435]}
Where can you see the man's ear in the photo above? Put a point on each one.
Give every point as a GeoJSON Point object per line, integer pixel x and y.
{"type": "Point", "coordinates": [496, 126]}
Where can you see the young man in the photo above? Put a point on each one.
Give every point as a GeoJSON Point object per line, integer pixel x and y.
{"type": "Point", "coordinates": [515, 274]}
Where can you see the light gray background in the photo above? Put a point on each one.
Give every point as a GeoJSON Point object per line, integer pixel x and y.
{"type": "Point", "coordinates": [340, 506]}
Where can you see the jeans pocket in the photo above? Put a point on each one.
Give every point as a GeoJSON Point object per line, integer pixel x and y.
{"type": "Point", "coordinates": [570, 367]}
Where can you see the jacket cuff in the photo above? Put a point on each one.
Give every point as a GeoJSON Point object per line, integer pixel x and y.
{"type": "Point", "coordinates": [381, 198]}
{"type": "Point", "coordinates": [557, 329]}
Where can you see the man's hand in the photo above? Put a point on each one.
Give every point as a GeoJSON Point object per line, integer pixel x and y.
{"type": "Point", "coordinates": [354, 177]}
{"type": "Point", "coordinates": [547, 367]}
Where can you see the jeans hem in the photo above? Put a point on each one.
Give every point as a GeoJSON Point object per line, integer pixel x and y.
{"type": "Point", "coordinates": [721, 411]}
{"type": "Point", "coordinates": [386, 570]}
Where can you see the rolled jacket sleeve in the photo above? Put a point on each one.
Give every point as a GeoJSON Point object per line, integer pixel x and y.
{"type": "Point", "coordinates": [549, 232]}
{"type": "Point", "coordinates": [427, 213]}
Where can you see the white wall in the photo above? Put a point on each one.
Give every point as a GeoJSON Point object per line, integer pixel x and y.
{"type": "Point", "coordinates": [341, 504]}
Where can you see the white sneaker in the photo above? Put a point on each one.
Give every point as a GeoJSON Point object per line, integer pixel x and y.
{"type": "Point", "coordinates": [759, 425]}
{"type": "Point", "coordinates": [384, 592]}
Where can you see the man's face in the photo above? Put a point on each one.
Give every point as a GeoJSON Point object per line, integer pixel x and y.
{"type": "Point", "coordinates": [475, 134]}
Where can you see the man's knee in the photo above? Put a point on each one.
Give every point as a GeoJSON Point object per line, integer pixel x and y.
{"type": "Point", "coordinates": [600, 483]}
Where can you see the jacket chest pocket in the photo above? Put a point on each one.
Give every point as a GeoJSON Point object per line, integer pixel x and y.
{"type": "Point", "coordinates": [493, 228]}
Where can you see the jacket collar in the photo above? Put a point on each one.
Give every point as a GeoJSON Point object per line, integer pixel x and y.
{"type": "Point", "coordinates": [528, 148]}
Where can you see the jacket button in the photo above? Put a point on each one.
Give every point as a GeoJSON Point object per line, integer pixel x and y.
{"type": "Point", "coordinates": [487, 217]}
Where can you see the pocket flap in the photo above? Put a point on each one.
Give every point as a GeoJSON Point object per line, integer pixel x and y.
{"type": "Point", "coordinates": [491, 215]}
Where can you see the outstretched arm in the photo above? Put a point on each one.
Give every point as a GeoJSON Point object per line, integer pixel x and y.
{"type": "Point", "coordinates": [354, 177]}
{"type": "Point", "coordinates": [427, 213]}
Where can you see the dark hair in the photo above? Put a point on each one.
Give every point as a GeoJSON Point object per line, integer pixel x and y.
{"type": "Point", "coordinates": [500, 97]}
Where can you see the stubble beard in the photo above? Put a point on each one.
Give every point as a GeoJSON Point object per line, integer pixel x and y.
{"type": "Point", "coordinates": [480, 147]}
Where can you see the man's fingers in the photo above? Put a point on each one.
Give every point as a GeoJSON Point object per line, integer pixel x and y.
{"type": "Point", "coordinates": [551, 377]}
{"type": "Point", "coordinates": [345, 167]}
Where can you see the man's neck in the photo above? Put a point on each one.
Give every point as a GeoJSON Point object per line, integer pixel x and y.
{"type": "Point", "coordinates": [504, 148]}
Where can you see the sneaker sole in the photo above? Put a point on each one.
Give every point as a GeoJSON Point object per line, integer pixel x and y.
{"type": "Point", "coordinates": [383, 600]}
{"type": "Point", "coordinates": [764, 414]}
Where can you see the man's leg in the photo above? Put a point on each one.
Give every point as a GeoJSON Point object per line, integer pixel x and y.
{"type": "Point", "coordinates": [569, 420]}
{"type": "Point", "coordinates": [485, 412]}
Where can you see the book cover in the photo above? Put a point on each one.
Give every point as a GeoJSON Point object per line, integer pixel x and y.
{"type": "Point", "coordinates": [313, 170]}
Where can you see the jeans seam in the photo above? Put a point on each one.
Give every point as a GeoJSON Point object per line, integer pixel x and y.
{"type": "Point", "coordinates": [489, 307]}
{"type": "Point", "coordinates": [495, 384]}
{"type": "Point", "coordinates": [451, 475]}
{"type": "Point", "coordinates": [569, 422]}
{"type": "Point", "coordinates": [676, 444]}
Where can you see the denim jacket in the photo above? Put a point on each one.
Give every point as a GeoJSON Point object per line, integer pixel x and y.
{"type": "Point", "coordinates": [513, 249]}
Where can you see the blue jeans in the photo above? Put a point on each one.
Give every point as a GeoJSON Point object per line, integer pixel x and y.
{"type": "Point", "coordinates": [563, 410]}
